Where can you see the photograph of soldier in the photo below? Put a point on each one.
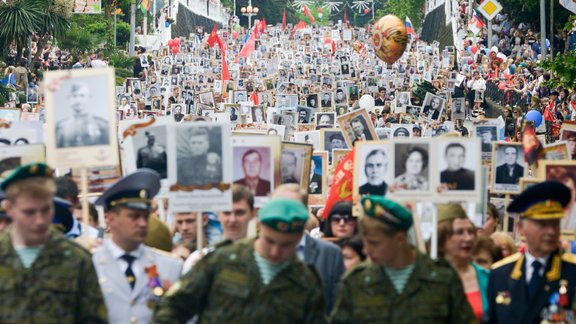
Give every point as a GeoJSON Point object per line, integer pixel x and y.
{"type": "Point", "coordinates": [454, 176]}
{"type": "Point", "coordinates": [207, 98]}
{"type": "Point", "coordinates": [177, 111]}
{"type": "Point", "coordinates": [199, 155]}
{"type": "Point", "coordinates": [315, 186]}
{"type": "Point", "coordinates": [256, 171]}
{"type": "Point", "coordinates": [509, 163]}
{"type": "Point", "coordinates": [340, 97]}
{"type": "Point", "coordinates": [239, 96]}
{"type": "Point", "coordinates": [326, 101]}
{"type": "Point", "coordinates": [79, 122]}
{"type": "Point", "coordinates": [290, 167]}
{"type": "Point", "coordinates": [487, 135]}
{"type": "Point", "coordinates": [152, 155]}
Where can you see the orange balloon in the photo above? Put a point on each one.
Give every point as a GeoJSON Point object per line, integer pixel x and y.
{"type": "Point", "coordinates": [389, 38]}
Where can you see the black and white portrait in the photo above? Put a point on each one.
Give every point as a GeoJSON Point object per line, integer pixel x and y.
{"type": "Point", "coordinates": [509, 166]}
{"type": "Point", "coordinates": [401, 130]}
{"type": "Point", "coordinates": [340, 97]}
{"type": "Point", "coordinates": [411, 167]}
{"type": "Point", "coordinates": [177, 111]}
{"type": "Point", "coordinates": [458, 108]}
{"type": "Point", "coordinates": [315, 186]}
{"type": "Point", "coordinates": [374, 173]}
{"type": "Point", "coordinates": [403, 99]}
{"type": "Point", "coordinates": [79, 119]}
{"type": "Point", "coordinates": [31, 95]}
{"type": "Point", "coordinates": [458, 162]}
{"type": "Point", "coordinates": [199, 155]}
{"type": "Point", "coordinates": [487, 135]}
{"type": "Point", "coordinates": [326, 101]}
{"type": "Point", "coordinates": [312, 100]}
{"type": "Point", "coordinates": [325, 120]}
{"type": "Point", "coordinates": [240, 96]}
{"type": "Point", "coordinates": [333, 140]}
{"type": "Point", "coordinates": [292, 165]}
{"type": "Point", "coordinates": [304, 115]}
{"type": "Point", "coordinates": [433, 106]}
{"type": "Point", "coordinates": [150, 149]}
{"type": "Point", "coordinates": [207, 98]}
{"type": "Point", "coordinates": [258, 115]}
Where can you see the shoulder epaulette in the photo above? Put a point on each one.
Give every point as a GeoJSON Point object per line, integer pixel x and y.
{"type": "Point", "coordinates": [569, 257]}
{"type": "Point", "coordinates": [507, 260]}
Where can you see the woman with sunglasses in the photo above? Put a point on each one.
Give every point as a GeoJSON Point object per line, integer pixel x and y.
{"type": "Point", "coordinates": [340, 223]}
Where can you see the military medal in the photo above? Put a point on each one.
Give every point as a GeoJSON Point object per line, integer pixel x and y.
{"type": "Point", "coordinates": [503, 298]}
{"type": "Point", "coordinates": [156, 288]}
{"type": "Point", "coordinates": [558, 309]}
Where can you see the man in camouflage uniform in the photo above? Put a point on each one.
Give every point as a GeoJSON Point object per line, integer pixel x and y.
{"type": "Point", "coordinates": [253, 281]}
{"type": "Point", "coordinates": [44, 278]}
{"type": "Point", "coordinates": [400, 285]}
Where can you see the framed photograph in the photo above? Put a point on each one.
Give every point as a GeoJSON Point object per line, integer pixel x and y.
{"type": "Point", "coordinates": [286, 101]}
{"type": "Point", "coordinates": [325, 120]}
{"type": "Point", "coordinates": [15, 156]}
{"type": "Point", "coordinates": [508, 167]}
{"type": "Point", "coordinates": [318, 187]}
{"type": "Point", "coordinates": [526, 183]}
{"type": "Point", "coordinates": [458, 176]}
{"type": "Point", "coordinates": [312, 100]}
{"type": "Point", "coordinates": [156, 104]}
{"type": "Point", "coordinates": [177, 110]}
{"type": "Point", "coordinates": [341, 109]}
{"type": "Point", "coordinates": [331, 139]}
{"type": "Point", "coordinates": [557, 151]}
{"type": "Point", "coordinates": [295, 163]}
{"type": "Point", "coordinates": [568, 134]}
{"type": "Point", "coordinates": [403, 99]}
{"type": "Point", "coordinates": [309, 137]}
{"type": "Point", "coordinates": [432, 107]}
{"type": "Point", "coordinates": [326, 99]}
{"type": "Point", "coordinates": [458, 108]}
{"type": "Point", "coordinates": [479, 96]}
{"type": "Point", "coordinates": [374, 174]}
{"type": "Point", "coordinates": [564, 172]}
{"type": "Point", "coordinates": [145, 146]}
{"type": "Point", "coordinates": [357, 126]}
{"type": "Point", "coordinates": [487, 135]}
{"type": "Point", "coordinates": [200, 167]}
{"type": "Point", "coordinates": [304, 115]}
{"type": "Point", "coordinates": [276, 130]}
{"type": "Point", "coordinates": [258, 114]}
{"type": "Point", "coordinates": [338, 155]}
{"type": "Point", "coordinates": [411, 169]}
{"type": "Point", "coordinates": [234, 112]}
{"type": "Point", "coordinates": [257, 164]}
{"type": "Point", "coordinates": [81, 118]}
{"type": "Point", "coordinates": [240, 96]}
{"type": "Point", "coordinates": [31, 95]}
{"type": "Point", "coordinates": [401, 130]}
{"type": "Point", "coordinates": [414, 111]}
{"type": "Point", "coordinates": [265, 99]}
{"type": "Point", "coordinates": [207, 98]}
{"type": "Point", "coordinates": [10, 114]}
{"type": "Point", "coordinates": [340, 97]}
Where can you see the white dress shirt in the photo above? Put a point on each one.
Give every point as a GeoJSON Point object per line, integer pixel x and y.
{"type": "Point", "coordinates": [118, 252]}
{"type": "Point", "coordinates": [529, 269]}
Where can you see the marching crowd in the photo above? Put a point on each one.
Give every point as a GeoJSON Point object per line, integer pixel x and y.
{"type": "Point", "coordinates": [305, 264]}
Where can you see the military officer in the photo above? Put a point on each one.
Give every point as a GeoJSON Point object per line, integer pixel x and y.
{"type": "Point", "coordinates": [253, 281]}
{"type": "Point", "coordinates": [132, 275]}
{"type": "Point", "coordinates": [400, 284]}
{"type": "Point", "coordinates": [538, 284]}
{"type": "Point", "coordinates": [44, 278]}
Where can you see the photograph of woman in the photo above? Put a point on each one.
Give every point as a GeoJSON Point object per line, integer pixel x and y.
{"type": "Point", "coordinates": [411, 167]}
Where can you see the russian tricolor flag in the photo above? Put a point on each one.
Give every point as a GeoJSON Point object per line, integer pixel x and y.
{"type": "Point", "coordinates": [475, 24]}
{"type": "Point", "coordinates": [409, 28]}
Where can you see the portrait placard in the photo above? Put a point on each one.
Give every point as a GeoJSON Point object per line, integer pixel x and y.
{"type": "Point", "coordinates": [508, 166]}
{"type": "Point", "coordinates": [458, 176]}
{"type": "Point", "coordinates": [257, 164]}
{"type": "Point", "coordinates": [487, 135]}
{"type": "Point", "coordinates": [568, 134]}
{"type": "Point", "coordinates": [200, 167]}
{"type": "Point", "coordinates": [295, 163]}
{"type": "Point", "coordinates": [15, 156]}
{"type": "Point", "coordinates": [564, 172]}
{"type": "Point", "coordinates": [81, 118]}
{"type": "Point", "coordinates": [357, 126]}
{"type": "Point", "coordinates": [557, 151]}
{"type": "Point", "coordinates": [318, 187]}
{"type": "Point", "coordinates": [411, 169]}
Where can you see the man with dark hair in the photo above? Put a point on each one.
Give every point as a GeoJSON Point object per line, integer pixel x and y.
{"type": "Point", "coordinates": [509, 172]}
{"type": "Point", "coordinates": [152, 156]}
{"type": "Point", "coordinates": [199, 166]}
{"type": "Point", "coordinates": [288, 165]}
{"type": "Point", "coordinates": [252, 167]}
{"type": "Point", "coordinates": [456, 177]}
{"type": "Point", "coordinates": [360, 133]}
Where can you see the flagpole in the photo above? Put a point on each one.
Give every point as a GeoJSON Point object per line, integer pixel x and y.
{"type": "Point", "coordinates": [489, 42]}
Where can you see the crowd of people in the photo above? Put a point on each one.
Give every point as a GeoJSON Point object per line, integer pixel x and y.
{"type": "Point", "coordinates": [315, 256]}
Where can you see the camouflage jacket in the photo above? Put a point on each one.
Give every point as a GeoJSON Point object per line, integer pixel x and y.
{"type": "Point", "coordinates": [433, 294]}
{"type": "Point", "coordinates": [61, 285]}
{"type": "Point", "coordinates": [225, 287]}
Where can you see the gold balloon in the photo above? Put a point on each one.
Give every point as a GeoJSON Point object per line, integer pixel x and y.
{"type": "Point", "coordinates": [389, 38]}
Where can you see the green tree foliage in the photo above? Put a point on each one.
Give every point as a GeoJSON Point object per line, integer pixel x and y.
{"type": "Point", "coordinates": [314, 11]}
{"type": "Point", "coordinates": [563, 68]}
{"type": "Point", "coordinates": [18, 19]}
{"type": "Point", "coordinates": [403, 9]}
{"type": "Point", "coordinates": [272, 10]}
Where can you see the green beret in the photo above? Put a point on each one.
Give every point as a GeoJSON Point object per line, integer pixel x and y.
{"type": "Point", "coordinates": [27, 171]}
{"type": "Point", "coordinates": [387, 211]}
{"type": "Point", "coordinates": [450, 211]}
{"type": "Point", "coordinates": [284, 215]}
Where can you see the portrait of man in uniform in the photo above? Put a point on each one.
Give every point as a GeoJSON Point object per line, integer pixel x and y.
{"type": "Point", "coordinates": [288, 167]}
{"type": "Point", "coordinates": [456, 176]}
{"type": "Point", "coordinates": [153, 155]}
{"type": "Point", "coordinates": [433, 106]}
{"type": "Point", "coordinates": [199, 162]}
{"type": "Point", "coordinates": [80, 127]}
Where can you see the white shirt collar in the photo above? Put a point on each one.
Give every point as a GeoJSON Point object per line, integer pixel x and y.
{"type": "Point", "coordinates": [117, 251]}
{"type": "Point", "coordinates": [529, 260]}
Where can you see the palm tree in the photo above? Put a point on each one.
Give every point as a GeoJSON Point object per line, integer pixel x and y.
{"type": "Point", "coordinates": [19, 19]}
{"type": "Point", "coordinates": [55, 21]}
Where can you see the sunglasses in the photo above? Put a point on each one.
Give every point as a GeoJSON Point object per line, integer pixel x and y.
{"type": "Point", "coordinates": [336, 218]}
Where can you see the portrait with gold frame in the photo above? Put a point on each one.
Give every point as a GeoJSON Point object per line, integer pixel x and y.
{"type": "Point", "coordinates": [295, 163]}
{"type": "Point", "coordinates": [318, 187]}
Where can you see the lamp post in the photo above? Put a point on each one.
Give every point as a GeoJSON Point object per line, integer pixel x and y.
{"type": "Point", "coordinates": [249, 11]}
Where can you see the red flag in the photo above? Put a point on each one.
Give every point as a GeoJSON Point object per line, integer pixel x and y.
{"type": "Point", "coordinates": [263, 25]}
{"type": "Point", "coordinates": [345, 17]}
{"type": "Point", "coordinates": [248, 47]}
{"type": "Point", "coordinates": [284, 20]}
{"type": "Point", "coordinates": [533, 149]}
{"type": "Point", "coordinates": [256, 30]}
{"type": "Point", "coordinates": [300, 25]}
{"type": "Point", "coordinates": [308, 14]}
{"type": "Point", "coordinates": [213, 38]}
{"type": "Point", "coordinates": [341, 183]}
{"type": "Point", "coordinates": [254, 98]}
{"type": "Point", "coordinates": [225, 72]}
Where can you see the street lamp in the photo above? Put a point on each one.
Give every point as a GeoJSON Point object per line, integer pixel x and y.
{"type": "Point", "coordinates": [249, 11]}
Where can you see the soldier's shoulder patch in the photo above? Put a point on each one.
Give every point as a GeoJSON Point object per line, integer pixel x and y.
{"type": "Point", "coordinates": [507, 260]}
{"type": "Point", "coordinates": [569, 257]}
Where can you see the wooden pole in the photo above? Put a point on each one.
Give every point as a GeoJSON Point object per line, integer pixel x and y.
{"type": "Point", "coordinates": [84, 196]}
{"type": "Point", "coordinates": [199, 232]}
{"type": "Point", "coordinates": [506, 216]}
